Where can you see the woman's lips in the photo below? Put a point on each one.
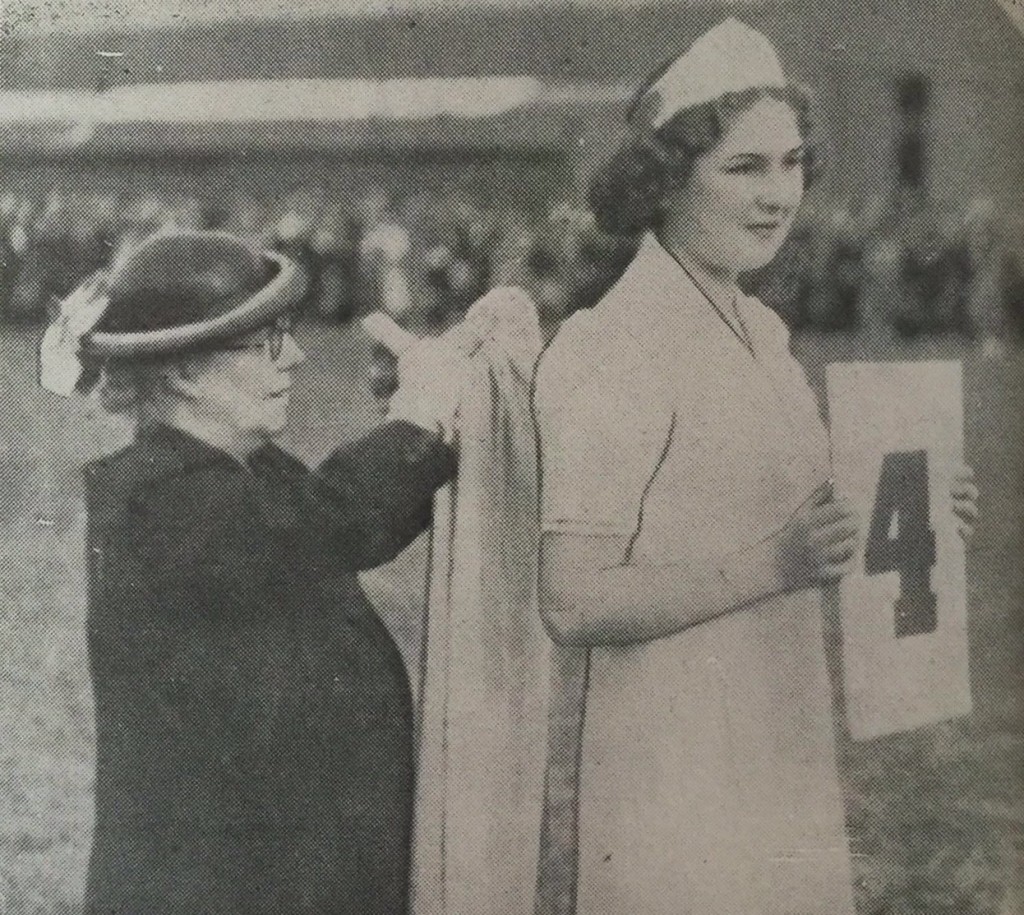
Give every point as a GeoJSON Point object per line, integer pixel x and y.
{"type": "Point", "coordinates": [764, 230]}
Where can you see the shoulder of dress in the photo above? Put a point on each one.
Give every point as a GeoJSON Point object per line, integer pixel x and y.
{"type": "Point", "coordinates": [589, 351]}
{"type": "Point", "coordinates": [564, 354]}
{"type": "Point", "coordinates": [658, 315]}
{"type": "Point", "coordinates": [645, 281]}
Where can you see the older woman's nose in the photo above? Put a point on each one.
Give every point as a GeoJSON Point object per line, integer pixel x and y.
{"type": "Point", "coordinates": [291, 353]}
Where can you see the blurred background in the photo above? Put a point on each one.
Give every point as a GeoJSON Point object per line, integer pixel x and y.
{"type": "Point", "coordinates": [413, 154]}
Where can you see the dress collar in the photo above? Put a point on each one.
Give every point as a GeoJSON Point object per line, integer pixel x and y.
{"type": "Point", "coordinates": [658, 291]}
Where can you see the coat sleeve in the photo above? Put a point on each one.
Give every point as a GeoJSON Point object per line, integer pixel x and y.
{"type": "Point", "coordinates": [372, 498]}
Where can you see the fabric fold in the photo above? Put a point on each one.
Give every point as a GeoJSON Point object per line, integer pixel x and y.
{"type": "Point", "coordinates": [486, 663]}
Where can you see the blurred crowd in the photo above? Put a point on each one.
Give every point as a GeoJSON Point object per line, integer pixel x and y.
{"type": "Point", "coordinates": [424, 258]}
{"type": "Point", "coordinates": [905, 263]}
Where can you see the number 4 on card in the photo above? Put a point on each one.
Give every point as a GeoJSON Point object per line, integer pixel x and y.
{"type": "Point", "coordinates": [900, 539]}
{"type": "Point", "coordinates": [897, 432]}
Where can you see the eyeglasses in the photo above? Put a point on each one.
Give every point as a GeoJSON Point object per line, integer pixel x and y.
{"type": "Point", "coordinates": [272, 342]}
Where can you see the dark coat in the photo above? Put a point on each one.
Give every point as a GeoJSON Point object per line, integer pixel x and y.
{"type": "Point", "coordinates": [254, 717]}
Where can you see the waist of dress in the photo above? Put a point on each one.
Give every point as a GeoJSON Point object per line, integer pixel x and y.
{"type": "Point", "coordinates": [767, 624]}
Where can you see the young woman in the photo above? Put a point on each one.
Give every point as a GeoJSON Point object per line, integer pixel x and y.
{"type": "Point", "coordinates": [688, 521]}
{"type": "Point", "coordinates": [253, 714]}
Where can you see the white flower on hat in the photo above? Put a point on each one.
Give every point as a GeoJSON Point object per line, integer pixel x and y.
{"type": "Point", "coordinates": [60, 363]}
{"type": "Point", "coordinates": [731, 57]}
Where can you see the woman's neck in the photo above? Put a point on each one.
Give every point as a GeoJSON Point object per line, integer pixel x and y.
{"type": "Point", "coordinates": [178, 415]}
{"type": "Point", "coordinates": [719, 284]}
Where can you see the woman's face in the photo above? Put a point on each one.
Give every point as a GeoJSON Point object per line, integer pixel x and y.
{"type": "Point", "coordinates": [737, 206]}
{"type": "Point", "coordinates": [245, 389]}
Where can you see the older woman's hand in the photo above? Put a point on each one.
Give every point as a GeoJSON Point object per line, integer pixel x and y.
{"type": "Point", "coordinates": [964, 493]}
{"type": "Point", "coordinates": [819, 543]}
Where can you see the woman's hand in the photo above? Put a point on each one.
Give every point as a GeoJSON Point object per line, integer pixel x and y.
{"type": "Point", "coordinates": [819, 543]}
{"type": "Point", "coordinates": [964, 493]}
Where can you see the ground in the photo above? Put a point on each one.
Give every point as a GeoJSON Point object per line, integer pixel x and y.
{"type": "Point", "coordinates": [936, 816]}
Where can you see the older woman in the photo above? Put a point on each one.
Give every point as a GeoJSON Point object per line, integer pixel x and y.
{"type": "Point", "coordinates": [688, 520]}
{"type": "Point", "coordinates": [253, 714]}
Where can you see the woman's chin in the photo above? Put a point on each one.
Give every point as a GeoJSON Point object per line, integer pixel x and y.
{"type": "Point", "coordinates": [745, 255]}
{"type": "Point", "coordinates": [267, 428]}
{"type": "Point", "coordinates": [276, 426]}
{"type": "Point", "coordinates": [756, 258]}
{"type": "Point", "coordinates": [276, 418]}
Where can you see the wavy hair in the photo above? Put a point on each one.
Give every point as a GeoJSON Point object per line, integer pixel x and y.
{"type": "Point", "coordinates": [628, 192]}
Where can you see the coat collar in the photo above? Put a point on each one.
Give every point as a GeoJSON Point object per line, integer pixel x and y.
{"type": "Point", "coordinates": [182, 450]}
{"type": "Point", "coordinates": [161, 453]}
{"type": "Point", "coordinates": [158, 452]}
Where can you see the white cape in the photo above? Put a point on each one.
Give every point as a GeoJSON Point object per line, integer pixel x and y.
{"type": "Point", "coordinates": [486, 663]}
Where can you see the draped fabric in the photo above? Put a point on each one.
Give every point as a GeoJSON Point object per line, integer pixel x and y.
{"type": "Point", "coordinates": [486, 661]}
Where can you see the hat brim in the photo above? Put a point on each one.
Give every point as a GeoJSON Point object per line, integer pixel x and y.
{"type": "Point", "coordinates": [277, 297]}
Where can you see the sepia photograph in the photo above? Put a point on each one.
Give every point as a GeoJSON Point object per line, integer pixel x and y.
{"type": "Point", "coordinates": [511, 457]}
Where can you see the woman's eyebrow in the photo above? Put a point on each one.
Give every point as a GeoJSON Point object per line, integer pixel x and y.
{"type": "Point", "coordinates": [750, 154]}
{"type": "Point", "coordinates": [739, 156]}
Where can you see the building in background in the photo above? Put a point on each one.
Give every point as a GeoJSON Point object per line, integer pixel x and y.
{"type": "Point", "coordinates": [849, 52]}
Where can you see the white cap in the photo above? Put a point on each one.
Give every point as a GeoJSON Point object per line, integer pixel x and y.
{"type": "Point", "coordinates": [730, 57]}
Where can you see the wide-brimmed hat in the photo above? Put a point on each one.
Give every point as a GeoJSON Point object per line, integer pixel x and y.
{"type": "Point", "coordinates": [182, 289]}
{"type": "Point", "coordinates": [175, 291]}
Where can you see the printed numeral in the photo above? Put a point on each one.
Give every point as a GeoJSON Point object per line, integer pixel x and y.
{"type": "Point", "coordinates": [900, 539]}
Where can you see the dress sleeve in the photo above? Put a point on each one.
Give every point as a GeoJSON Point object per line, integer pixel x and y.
{"type": "Point", "coordinates": [603, 430]}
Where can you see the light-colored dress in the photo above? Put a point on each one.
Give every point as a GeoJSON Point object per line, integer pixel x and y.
{"type": "Point", "coordinates": [708, 782]}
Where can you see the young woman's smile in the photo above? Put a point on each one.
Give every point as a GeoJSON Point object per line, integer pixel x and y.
{"type": "Point", "coordinates": [765, 230]}
{"type": "Point", "coordinates": [736, 207]}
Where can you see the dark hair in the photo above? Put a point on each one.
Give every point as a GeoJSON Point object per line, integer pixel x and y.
{"type": "Point", "coordinates": [627, 193]}
{"type": "Point", "coordinates": [124, 387]}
